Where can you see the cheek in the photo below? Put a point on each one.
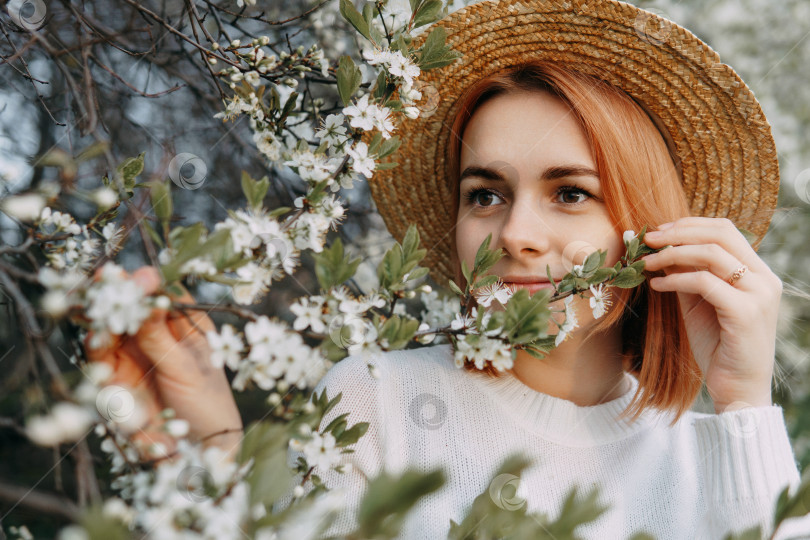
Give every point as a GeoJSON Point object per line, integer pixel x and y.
{"type": "Point", "coordinates": [466, 238]}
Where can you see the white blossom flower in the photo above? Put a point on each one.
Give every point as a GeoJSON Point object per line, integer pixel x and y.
{"type": "Point", "coordinates": [226, 347]}
{"type": "Point", "coordinates": [308, 313]}
{"type": "Point", "coordinates": [570, 321]}
{"type": "Point", "coordinates": [361, 113]}
{"type": "Point", "coordinates": [322, 62]}
{"type": "Point", "coordinates": [377, 56]}
{"type": "Point", "coordinates": [599, 302]}
{"type": "Point", "coordinates": [25, 207]}
{"type": "Point", "coordinates": [253, 78]}
{"type": "Point", "coordinates": [313, 167]}
{"type": "Point", "coordinates": [177, 427]}
{"type": "Point", "coordinates": [66, 422]}
{"type": "Point", "coordinates": [577, 270]}
{"type": "Point", "coordinates": [254, 283]}
{"type": "Point", "coordinates": [59, 221]}
{"type": "Point", "coordinates": [104, 197]}
{"type": "Point", "coordinates": [408, 94]}
{"type": "Point", "coordinates": [485, 350]}
{"type": "Point", "coordinates": [198, 266]}
{"type": "Point", "coordinates": [361, 162]}
{"type": "Point", "coordinates": [320, 451]}
{"type": "Point", "coordinates": [333, 131]}
{"type": "Point", "coordinates": [309, 231]}
{"type": "Point", "coordinates": [267, 144]}
{"type": "Point", "coordinates": [628, 236]}
{"type": "Point", "coordinates": [113, 236]}
{"type": "Point", "coordinates": [439, 311]}
{"type": "Point", "coordinates": [462, 321]}
{"type": "Point", "coordinates": [382, 121]}
{"type": "Point", "coordinates": [402, 67]}
{"type": "Point", "coordinates": [263, 336]}
{"type": "Point", "coordinates": [115, 304]}
{"type": "Point", "coordinates": [411, 112]}
{"type": "Point", "coordinates": [497, 291]}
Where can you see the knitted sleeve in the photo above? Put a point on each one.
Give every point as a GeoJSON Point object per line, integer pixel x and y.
{"type": "Point", "coordinates": [746, 461]}
{"type": "Point", "coordinates": [362, 399]}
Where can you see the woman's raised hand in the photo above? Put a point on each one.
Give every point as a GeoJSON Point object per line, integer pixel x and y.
{"type": "Point", "coordinates": [731, 326]}
{"type": "Point", "coordinates": [167, 365]}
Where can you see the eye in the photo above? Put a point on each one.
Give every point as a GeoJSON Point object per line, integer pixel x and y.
{"type": "Point", "coordinates": [572, 195]}
{"type": "Point", "coordinates": [475, 195]}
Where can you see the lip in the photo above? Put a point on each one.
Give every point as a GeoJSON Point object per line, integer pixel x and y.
{"type": "Point", "coordinates": [531, 284]}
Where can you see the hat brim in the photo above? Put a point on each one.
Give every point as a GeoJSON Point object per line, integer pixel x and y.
{"type": "Point", "coordinates": [722, 141]}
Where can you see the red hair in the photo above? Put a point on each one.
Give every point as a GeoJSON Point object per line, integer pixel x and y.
{"type": "Point", "coordinates": [641, 185]}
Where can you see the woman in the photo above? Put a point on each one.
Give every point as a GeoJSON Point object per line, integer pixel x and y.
{"type": "Point", "coordinates": [528, 145]}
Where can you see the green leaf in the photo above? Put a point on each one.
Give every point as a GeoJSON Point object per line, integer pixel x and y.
{"type": "Point", "coordinates": [754, 533]}
{"type": "Point", "coordinates": [333, 267]}
{"type": "Point", "coordinates": [628, 278]}
{"type": "Point", "coordinates": [389, 147]}
{"type": "Point", "coordinates": [354, 17]}
{"type": "Point", "coordinates": [270, 478]}
{"type": "Point", "coordinates": [375, 143]}
{"type": "Point", "coordinates": [592, 262]}
{"type": "Point", "coordinates": [434, 53]}
{"type": "Point", "coordinates": [398, 331]}
{"type": "Point", "coordinates": [161, 195]}
{"type": "Point", "coordinates": [349, 78]}
{"type": "Point", "coordinates": [386, 166]}
{"type": "Point", "coordinates": [466, 272]}
{"type": "Point", "coordinates": [381, 85]}
{"type": "Point", "coordinates": [455, 288]}
{"type": "Point", "coordinates": [428, 12]}
{"type": "Point", "coordinates": [93, 151]}
{"type": "Point", "coordinates": [389, 498]}
{"type": "Point", "coordinates": [486, 281]}
{"type": "Point", "coordinates": [254, 190]}
{"type": "Point", "coordinates": [130, 169]}
{"type": "Point", "coordinates": [288, 107]}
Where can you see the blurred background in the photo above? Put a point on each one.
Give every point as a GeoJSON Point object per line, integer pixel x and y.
{"type": "Point", "coordinates": [105, 71]}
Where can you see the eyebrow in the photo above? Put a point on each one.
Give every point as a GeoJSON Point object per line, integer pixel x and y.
{"type": "Point", "coordinates": [552, 173]}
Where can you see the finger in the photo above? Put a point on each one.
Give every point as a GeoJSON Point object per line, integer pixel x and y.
{"type": "Point", "coordinates": [715, 290]}
{"type": "Point", "coordinates": [703, 230]}
{"type": "Point", "coordinates": [712, 257]}
{"type": "Point", "coordinates": [165, 353]}
{"type": "Point", "coordinates": [148, 278]}
{"type": "Point", "coordinates": [185, 324]}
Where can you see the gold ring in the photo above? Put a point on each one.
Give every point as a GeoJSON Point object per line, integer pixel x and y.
{"type": "Point", "coordinates": [737, 274]}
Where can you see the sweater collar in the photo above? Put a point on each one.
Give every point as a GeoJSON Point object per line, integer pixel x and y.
{"type": "Point", "coordinates": [560, 420]}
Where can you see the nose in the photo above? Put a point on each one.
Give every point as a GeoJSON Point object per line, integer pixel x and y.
{"type": "Point", "coordinates": [524, 233]}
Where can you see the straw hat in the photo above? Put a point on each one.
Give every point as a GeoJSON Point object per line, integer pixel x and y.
{"type": "Point", "coordinates": [714, 125]}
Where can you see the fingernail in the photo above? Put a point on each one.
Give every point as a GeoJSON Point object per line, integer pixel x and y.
{"type": "Point", "coordinates": [664, 226]}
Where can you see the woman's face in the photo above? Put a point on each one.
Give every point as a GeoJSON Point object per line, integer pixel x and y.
{"type": "Point", "coordinates": [529, 179]}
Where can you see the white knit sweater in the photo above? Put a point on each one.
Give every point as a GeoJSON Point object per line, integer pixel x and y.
{"type": "Point", "coordinates": [708, 475]}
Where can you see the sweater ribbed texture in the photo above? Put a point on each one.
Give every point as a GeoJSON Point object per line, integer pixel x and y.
{"type": "Point", "coordinates": [701, 478]}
